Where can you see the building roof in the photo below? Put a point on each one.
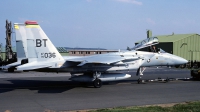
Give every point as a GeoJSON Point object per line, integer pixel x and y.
{"type": "Point", "coordinates": [173, 37]}
{"type": "Point", "coordinates": [61, 49]}
{"type": "Point", "coordinates": [93, 50]}
{"type": "Point", "coordinates": [77, 48]}
{"type": "Point", "coordinates": [67, 49]}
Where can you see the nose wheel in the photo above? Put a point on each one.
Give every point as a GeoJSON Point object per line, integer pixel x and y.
{"type": "Point", "coordinates": [139, 81]}
{"type": "Point", "coordinates": [97, 83]}
{"type": "Point", "coordinates": [167, 79]}
{"type": "Point", "coordinates": [140, 73]}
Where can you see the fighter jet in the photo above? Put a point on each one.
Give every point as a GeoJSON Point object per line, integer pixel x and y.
{"type": "Point", "coordinates": [35, 51]}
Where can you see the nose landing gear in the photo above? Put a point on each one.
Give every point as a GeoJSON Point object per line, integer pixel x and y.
{"type": "Point", "coordinates": [140, 73]}
{"type": "Point", "coordinates": [139, 81]}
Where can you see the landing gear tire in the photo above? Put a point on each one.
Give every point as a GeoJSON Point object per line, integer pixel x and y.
{"type": "Point", "coordinates": [139, 81]}
{"type": "Point", "coordinates": [97, 83]}
{"type": "Point", "coordinates": [167, 80]}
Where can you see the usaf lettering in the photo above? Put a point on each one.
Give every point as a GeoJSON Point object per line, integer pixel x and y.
{"type": "Point", "coordinates": [39, 42]}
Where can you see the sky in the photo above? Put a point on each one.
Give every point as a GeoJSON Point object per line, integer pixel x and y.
{"type": "Point", "coordinates": [110, 24]}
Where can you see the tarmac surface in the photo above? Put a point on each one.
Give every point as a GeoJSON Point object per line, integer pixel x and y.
{"type": "Point", "coordinates": [38, 92]}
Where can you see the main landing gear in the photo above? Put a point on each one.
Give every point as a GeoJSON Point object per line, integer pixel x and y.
{"type": "Point", "coordinates": [97, 83]}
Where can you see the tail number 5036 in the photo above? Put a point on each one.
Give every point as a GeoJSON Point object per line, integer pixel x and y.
{"type": "Point", "coordinates": [48, 55]}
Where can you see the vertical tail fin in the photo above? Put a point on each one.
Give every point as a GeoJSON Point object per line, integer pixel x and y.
{"type": "Point", "coordinates": [39, 47]}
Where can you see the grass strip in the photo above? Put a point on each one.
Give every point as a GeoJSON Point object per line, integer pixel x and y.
{"type": "Point", "coordinates": [185, 107]}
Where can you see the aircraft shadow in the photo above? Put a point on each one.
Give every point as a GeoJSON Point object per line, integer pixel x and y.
{"type": "Point", "coordinates": [39, 85]}
{"type": "Point", "coordinates": [44, 86]}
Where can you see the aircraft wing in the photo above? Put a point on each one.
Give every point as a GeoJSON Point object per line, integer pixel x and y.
{"type": "Point", "coordinates": [102, 59]}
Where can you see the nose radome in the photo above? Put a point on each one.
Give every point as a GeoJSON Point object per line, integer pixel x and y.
{"type": "Point", "coordinates": [182, 60]}
{"type": "Point", "coordinates": [185, 61]}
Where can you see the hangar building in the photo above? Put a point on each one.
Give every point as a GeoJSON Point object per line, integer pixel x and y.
{"type": "Point", "coordinates": [184, 45]}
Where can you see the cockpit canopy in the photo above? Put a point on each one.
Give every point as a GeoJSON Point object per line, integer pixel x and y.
{"type": "Point", "coordinates": [145, 43]}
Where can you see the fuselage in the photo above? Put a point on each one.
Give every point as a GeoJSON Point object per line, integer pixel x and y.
{"type": "Point", "coordinates": [140, 59]}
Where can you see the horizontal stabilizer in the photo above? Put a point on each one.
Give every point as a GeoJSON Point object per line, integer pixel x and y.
{"type": "Point", "coordinates": [12, 65]}
{"type": "Point", "coordinates": [33, 65]}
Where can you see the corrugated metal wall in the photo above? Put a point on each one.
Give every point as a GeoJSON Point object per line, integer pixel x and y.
{"type": "Point", "coordinates": [188, 48]}
{"type": "Point", "coordinates": [196, 56]}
